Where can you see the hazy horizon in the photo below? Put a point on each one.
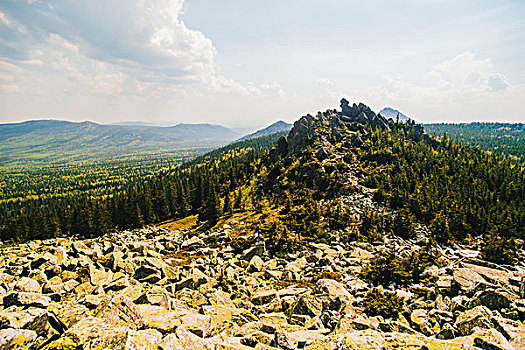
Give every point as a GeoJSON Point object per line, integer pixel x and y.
{"type": "Point", "coordinates": [245, 64]}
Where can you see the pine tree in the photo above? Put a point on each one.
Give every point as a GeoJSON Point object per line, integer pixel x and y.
{"type": "Point", "coordinates": [228, 206]}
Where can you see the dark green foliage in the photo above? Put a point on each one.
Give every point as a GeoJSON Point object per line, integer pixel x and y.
{"type": "Point", "coordinates": [211, 210]}
{"type": "Point", "coordinates": [339, 218]}
{"type": "Point", "coordinates": [373, 226]}
{"type": "Point", "coordinates": [440, 229]}
{"type": "Point", "coordinates": [227, 208]}
{"type": "Point", "coordinates": [456, 190]}
{"type": "Point", "coordinates": [93, 199]}
{"type": "Point", "coordinates": [390, 267]}
{"type": "Point", "coordinates": [382, 303]}
{"type": "Point", "coordinates": [499, 249]}
{"type": "Point", "coordinates": [278, 238]}
{"type": "Point", "coordinates": [402, 225]}
{"type": "Point", "coordinates": [501, 138]}
{"type": "Point", "coordinates": [385, 269]}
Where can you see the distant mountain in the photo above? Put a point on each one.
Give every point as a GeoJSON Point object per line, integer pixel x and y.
{"type": "Point", "coordinates": [139, 123]}
{"type": "Point", "coordinates": [272, 129]}
{"type": "Point", "coordinates": [392, 113]}
{"type": "Point", "coordinates": [57, 140]}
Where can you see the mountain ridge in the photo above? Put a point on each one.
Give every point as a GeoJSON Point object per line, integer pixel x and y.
{"type": "Point", "coordinates": [58, 140]}
{"type": "Point", "coordinates": [278, 126]}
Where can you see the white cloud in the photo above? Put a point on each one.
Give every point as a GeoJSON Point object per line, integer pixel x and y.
{"type": "Point", "coordinates": [10, 89]}
{"type": "Point", "coordinates": [463, 85]}
{"type": "Point", "coordinates": [113, 47]}
{"type": "Point", "coordinates": [326, 90]}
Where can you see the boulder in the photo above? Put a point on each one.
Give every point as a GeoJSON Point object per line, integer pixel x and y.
{"type": "Point", "coordinates": [357, 340]}
{"type": "Point", "coordinates": [189, 340]}
{"type": "Point", "coordinates": [79, 248]}
{"type": "Point", "coordinates": [466, 278]}
{"type": "Point", "coordinates": [332, 288]}
{"type": "Point", "coordinates": [200, 325]}
{"type": "Point", "coordinates": [490, 339]}
{"type": "Point", "coordinates": [492, 299]}
{"type": "Point", "coordinates": [17, 339]}
{"type": "Point", "coordinates": [256, 264]}
{"type": "Point", "coordinates": [249, 253]}
{"type": "Point", "coordinates": [147, 274]}
{"type": "Point", "coordinates": [361, 254]}
{"type": "Point", "coordinates": [99, 277]}
{"type": "Point", "coordinates": [263, 297]}
{"type": "Point", "coordinates": [253, 339]}
{"type": "Point", "coordinates": [120, 312]}
{"type": "Point", "coordinates": [26, 299]}
{"type": "Point", "coordinates": [145, 339]}
{"type": "Point", "coordinates": [480, 316]}
{"type": "Point", "coordinates": [157, 317]}
{"type": "Point", "coordinates": [34, 319]}
{"type": "Point", "coordinates": [91, 333]}
{"type": "Point", "coordinates": [419, 320]}
{"type": "Point", "coordinates": [447, 285]}
{"type": "Point", "coordinates": [29, 285]}
{"type": "Point", "coordinates": [68, 313]}
{"type": "Point", "coordinates": [272, 321]}
{"type": "Point", "coordinates": [307, 305]}
{"type": "Point", "coordinates": [296, 266]}
{"type": "Point", "coordinates": [192, 243]}
{"type": "Point", "coordinates": [171, 342]}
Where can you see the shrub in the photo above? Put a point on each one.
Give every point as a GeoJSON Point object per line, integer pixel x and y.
{"type": "Point", "coordinates": [385, 269]}
{"type": "Point", "coordinates": [380, 303]}
{"type": "Point", "coordinates": [389, 267]}
{"type": "Point", "coordinates": [402, 225]}
{"type": "Point", "coordinates": [499, 249]}
{"type": "Point", "coordinates": [278, 239]}
{"type": "Point", "coordinates": [440, 229]}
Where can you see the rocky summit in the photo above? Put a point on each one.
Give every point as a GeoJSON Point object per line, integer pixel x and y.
{"type": "Point", "coordinates": [159, 289]}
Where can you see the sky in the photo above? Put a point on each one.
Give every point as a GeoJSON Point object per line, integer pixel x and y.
{"type": "Point", "coordinates": [246, 63]}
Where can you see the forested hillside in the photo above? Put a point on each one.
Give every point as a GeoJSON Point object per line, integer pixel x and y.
{"type": "Point", "coordinates": [501, 138]}
{"type": "Point", "coordinates": [43, 142]}
{"type": "Point", "coordinates": [94, 198]}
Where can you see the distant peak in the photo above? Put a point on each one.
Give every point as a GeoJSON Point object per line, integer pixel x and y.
{"type": "Point", "coordinates": [389, 112]}
{"type": "Point", "coordinates": [278, 126]}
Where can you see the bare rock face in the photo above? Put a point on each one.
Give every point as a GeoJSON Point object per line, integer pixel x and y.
{"type": "Point", "coordinates": [120, 292]}
{"type": "Point", "coordinates": [355, 118]}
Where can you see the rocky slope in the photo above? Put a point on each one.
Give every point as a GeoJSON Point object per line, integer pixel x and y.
{"type": "Point", "coordinates": [160, 289]}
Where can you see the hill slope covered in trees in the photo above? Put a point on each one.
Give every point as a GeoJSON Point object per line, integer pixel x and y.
{"type": "Point", "coordinates": [41, 142]}
{"type": "Point", "coordinates": [505, 139]}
